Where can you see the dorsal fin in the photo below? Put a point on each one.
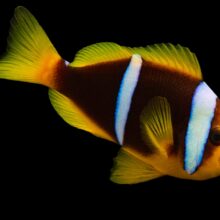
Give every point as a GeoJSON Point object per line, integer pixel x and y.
{"type": "Point", "coordinates": [177, 58]}
{"type": "Point", "coordinates": [74, 116]}
{"type": "Point", "coordinates": [174, 57]}
{"type": "Point", "coordinates": [100, 52]}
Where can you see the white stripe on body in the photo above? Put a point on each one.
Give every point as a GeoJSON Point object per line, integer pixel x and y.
{"type": "Point", "coordinates": [125, 94]}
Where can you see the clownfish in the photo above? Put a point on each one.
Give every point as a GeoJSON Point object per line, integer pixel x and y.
{"type": "Point", "coordinates": [150, 100]}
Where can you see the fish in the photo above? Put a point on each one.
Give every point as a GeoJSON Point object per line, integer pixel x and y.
{"type": "Point", "coordinates": [151, 101]}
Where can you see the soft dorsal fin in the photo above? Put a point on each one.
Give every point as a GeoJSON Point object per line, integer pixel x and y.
{"type": "Point", "coordinates": [128, 169]}
{"type": "Point", "coordinates": [177, 57]}
{"type": "Point", "coordinates": [156, 125]}
{"type": "Point", "coordinates": [100, 52]}
{"type": "Point", "coordinates": [74, 116]}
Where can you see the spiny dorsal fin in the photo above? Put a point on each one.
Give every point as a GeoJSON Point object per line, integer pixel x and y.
{"type": "Point", "coordinates": [175, 57]}
{"type": "Point", "coordinates": [100, 52]}
{"type": "Point", "coordinates": [128, 169]}
{"type": "Point", "coordinates": [74, 116]}
{"type": "Point", "coordinates": [156, 125]}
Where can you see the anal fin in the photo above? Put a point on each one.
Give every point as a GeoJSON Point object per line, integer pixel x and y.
{"type": "Point", "coordinates": [128, 169]}
{"type": "Point", "coordinates": [74, 116]}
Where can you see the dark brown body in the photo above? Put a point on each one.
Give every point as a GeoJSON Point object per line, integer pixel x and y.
{"type": "Point", "coordinates": [95, 89]}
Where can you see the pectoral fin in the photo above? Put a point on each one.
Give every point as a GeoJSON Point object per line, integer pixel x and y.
{"type": "Point", "coordinates": [128, 169]}
{"type": "Point", "coordinates": [156, 125]}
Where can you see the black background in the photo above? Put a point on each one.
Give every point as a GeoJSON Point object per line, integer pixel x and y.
{"type": "Point", "coordinates": [47, 162]}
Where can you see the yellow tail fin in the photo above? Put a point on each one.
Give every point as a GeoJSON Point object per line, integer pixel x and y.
{"type": "Point", "coordinates": [30, 56]}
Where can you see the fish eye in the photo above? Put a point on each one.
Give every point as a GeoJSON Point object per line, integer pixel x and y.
{"type": "Point", "coordinates": [215, 136]}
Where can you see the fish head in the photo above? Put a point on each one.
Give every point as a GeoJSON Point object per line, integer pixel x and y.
{"type": "Point", "coordinates": [201, 147]}
{"type": "Point", "coordinates": [209, 167]}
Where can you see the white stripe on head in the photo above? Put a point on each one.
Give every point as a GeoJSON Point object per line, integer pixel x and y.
{"type": "Point", "coordinates": [125, 94]}
{"type": "Point", "coordinates": [201, 115]}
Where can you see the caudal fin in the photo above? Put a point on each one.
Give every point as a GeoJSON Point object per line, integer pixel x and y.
{"type": "Point", "coordinates": [30, 55]}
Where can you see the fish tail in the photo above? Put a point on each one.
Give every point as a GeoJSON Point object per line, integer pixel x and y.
{"type": "Point", "coordinates": [30, 55]}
